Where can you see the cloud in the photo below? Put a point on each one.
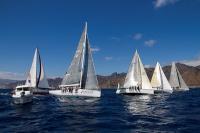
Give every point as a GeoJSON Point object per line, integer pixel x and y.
{"type": "Point", "coordinates": [12, 76]}
{"type": "Point", "coordinates": [162, 3]}
{"type": "Point", "coordinates": [108, 58]}
{"type": "Point", "coordinates": [137, 36]}
{"type": "Point", "coordinates": [150, 43]}
{"type": "Point", "coordinates": [95, 49]}
{"type": "Point", "coordinates": [147, 66]}
{"type": "Point", "coordinates": [115, 38]}
{"type": "Point", "coordinates": [195, 62]}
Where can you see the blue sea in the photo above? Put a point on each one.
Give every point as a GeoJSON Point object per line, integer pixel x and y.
{"type": "Point", "coordinates": [177, 112]}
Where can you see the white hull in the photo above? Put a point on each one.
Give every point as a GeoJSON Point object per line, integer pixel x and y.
{"type": "Point", "coordinates": [162, 91]}
{"type": "Point", "coordinates": [134, 91]}
{"type": "Point", "coordinates": [181, 89]}
{"type": "Point", "coordinates": [22, 99]}
{"type": "Point", "coordinates": [77, 93]}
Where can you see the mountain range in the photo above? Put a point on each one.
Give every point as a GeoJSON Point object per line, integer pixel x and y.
{"type": "Point", "coordinates": [190, 74]}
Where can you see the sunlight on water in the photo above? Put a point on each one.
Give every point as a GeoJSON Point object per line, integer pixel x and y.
{"type": "Point", "coordinates": [137, 104]}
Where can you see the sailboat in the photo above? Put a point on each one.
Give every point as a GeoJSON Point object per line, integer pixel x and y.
{"type": "Point", "coordinates": [136, 81]}
{"type": "Point", "coordinates": [33, 85]}
{"type": "Point", "coordinates": [176, 79]}
{"type": "Point", "coordinates": [80, 79]}
{"type": "Point", "coordinates": [159, 81]}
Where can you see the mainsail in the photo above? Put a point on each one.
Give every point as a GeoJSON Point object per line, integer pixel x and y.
{"type": "Point", "coordinates": [32, 75]}
{"type": "Point", "coordinates": [176, 79]}
{"type": "Point", "coordinates": [159, 79]}
{"type": "Point", "coordinates": [73, 75]}
{"type": "Point", "coordinates": [136, 75]}
{"type": "Point", "coordinates": [32, 79]}
{"type": "Point", "coordinates": [81, 71]}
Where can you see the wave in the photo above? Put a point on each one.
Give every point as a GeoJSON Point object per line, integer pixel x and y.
{"type": "Point", "coordinates": [4, 94]}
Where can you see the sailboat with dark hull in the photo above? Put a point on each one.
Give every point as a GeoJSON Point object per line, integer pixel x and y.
{"type": "Point", "coordinates": [33, 85]}
{"type": "Point", "coordinates": [80, 79]}
{"type": "Point", "coordinates": [176, 80]}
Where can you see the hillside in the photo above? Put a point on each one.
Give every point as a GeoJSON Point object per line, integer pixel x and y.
{"type": "Point", "coordinates": [190, 74]}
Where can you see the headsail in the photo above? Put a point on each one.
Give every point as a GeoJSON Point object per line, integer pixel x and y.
{"type": "Point", "coordinates": [89, 79]}
{"type": "Point", "coordinates": [144, 79]}
{"type": "Point", "coordinates": [156, 78]}
{"type": "Point", "coordinates": [176, 79]}
{"type": "Point", "coordinates": [136, 75]}
{"type": "Point", "coordinates": [32, 75]}
{"type": "Point", "coordinates": [165, 82]}
{"type": "Point", "coordinates": [73, 75]}
{"type": "Point", "coordinates": [42, 80]}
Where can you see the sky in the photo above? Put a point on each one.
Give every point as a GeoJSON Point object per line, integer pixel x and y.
{"type": "Point", "coordinates": [161, 30]}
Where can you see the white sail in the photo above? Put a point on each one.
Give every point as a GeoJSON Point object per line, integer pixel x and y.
{"type": "Point", "coordinates": [43, 82]}
{"type": "Point", "coordinates": [136, 75]}
{"type": "Point", "coordinates": [130, 77]}
{"type": "Point", "coordinates": [156, 78]}
{"type": "Point", "coordinates": [159, 79]}
{"type": "Point", "coordinates": [166, 84]}
{"type": "Point", "coordinates": [32, 75]}
{"type": "Point", "coordinates": [145, 80]}
{"type": "Point", "coordinates": [176, 79]}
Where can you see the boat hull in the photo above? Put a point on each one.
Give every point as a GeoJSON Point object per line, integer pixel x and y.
{"type": "Point", "coordinates": [22, 99]}
{"type": "Point", "coordinates": [163, 91]}
{"type": "Point", "coordinates": [181, 89]}
{"type": "Point", "coordinates": [134, 91]}
{"type": "Point", "coordinates": [78, 93]}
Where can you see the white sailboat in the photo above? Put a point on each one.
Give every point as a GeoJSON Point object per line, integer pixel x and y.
{"type": "Point", "coordinates": [159, 81]}
{"type": "Point", "coordinates": [176, 80]}
{"type": "Point", "coordinates": [24, 93]}
{"type": "Point", "coordinates": [80, 79]}
{"type": "Point", "coordinates": [136, 81]}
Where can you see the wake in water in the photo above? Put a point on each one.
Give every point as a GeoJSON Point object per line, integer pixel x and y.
{"type": "Point", "coordinates": [4, 94]}
{"type": "Point", "coordinates": [77, 100]}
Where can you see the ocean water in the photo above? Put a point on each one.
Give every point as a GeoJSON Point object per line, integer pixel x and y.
{"type": "Point", "coordinates": [177, 112]}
